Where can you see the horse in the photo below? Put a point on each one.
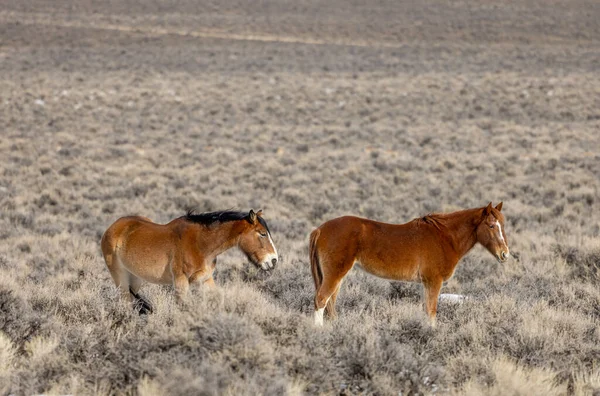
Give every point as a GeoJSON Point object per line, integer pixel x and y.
{"type": "Point", "coordinates": [183, 251]}
{"type": "Point", "coordinates": [424, 250]}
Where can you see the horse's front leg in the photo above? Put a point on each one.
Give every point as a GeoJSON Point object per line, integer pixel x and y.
{"type": "Point", "coordinates": [210, 282]}
{"type": "Point", "coordinates": [432, 289]}
{"type": "Point", "coordinates": [205, 275]}
{"type": "Point", "coordinates": [181, 285]}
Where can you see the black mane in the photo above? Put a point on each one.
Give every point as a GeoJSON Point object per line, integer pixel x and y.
{"type": "Point", "coordinates": [221, 216]}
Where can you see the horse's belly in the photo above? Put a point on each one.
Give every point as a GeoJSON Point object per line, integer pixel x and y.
{"type": "Point", "coordinates": [400, 272]}
{"type": "Point", "coordinates": [155, 274]}
{"type": "Point", "coordinates": [150, 268]}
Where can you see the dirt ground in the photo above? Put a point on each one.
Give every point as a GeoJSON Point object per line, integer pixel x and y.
{"type": "Point", "coordinates": [308, 110]}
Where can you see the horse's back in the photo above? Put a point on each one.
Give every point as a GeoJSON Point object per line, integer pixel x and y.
{"type": "Point", "coordinates": [342, 227]}
{"type": "Point", "coordinates": [346, 226]}
{"type": "Point", "coordinates": [341, 223]}
{"type": "Point", "coordinates": [118, 229]}
{"type": "Point", "coordinates": [342, 237]}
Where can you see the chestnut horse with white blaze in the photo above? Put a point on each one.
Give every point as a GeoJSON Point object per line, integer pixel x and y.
{"type": "Point", "coordinates": [424, 250]}
{"type": "Point", "coordinates": [183, 251]}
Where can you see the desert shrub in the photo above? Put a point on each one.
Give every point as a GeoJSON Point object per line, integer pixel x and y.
{"type": "Point", "coordinates": [584, 265]}
{"type": "Point", "coordinates": [102, 123]}
{"type": "Point", "coordinates": [513, 379]}
{"type": "Point", "coordinates": [17, 320]}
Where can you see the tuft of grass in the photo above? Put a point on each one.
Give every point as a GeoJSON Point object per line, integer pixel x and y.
{"type": "Point", "coordinates": [511, 378]}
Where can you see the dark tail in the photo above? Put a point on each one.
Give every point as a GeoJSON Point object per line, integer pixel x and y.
{"type": "Point", "coordinates": [317, 271]}
{"type": "Point", "coordinates": [315, 266]}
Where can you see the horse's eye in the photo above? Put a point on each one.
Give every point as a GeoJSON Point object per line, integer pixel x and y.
{"type": "Point", "coordinates": [492, 226]}
{"type": "Point", "coordinates": [262, 235]}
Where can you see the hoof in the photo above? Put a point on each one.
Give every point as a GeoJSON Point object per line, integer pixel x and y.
{"type": "Point", "coordinates": [142, 307]}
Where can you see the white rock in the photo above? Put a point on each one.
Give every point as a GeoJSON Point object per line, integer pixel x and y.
{"type": "Point", "coordinates": [452, 298]}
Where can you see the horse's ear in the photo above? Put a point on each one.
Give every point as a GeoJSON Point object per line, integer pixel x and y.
{"type": "Point", "coordinates": [499, 207]}
{"type": "Point", "coordinates": [488, 209]}
{"type": "Point", "coordinates": [259, 213]}
{"type": "Point", "coordinates": [252, 216]}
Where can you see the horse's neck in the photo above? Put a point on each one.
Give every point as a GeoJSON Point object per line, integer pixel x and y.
{"type": "Point", "coordinates": [218, 239]}
{"type": "Point", "coordinates": [461, 228]}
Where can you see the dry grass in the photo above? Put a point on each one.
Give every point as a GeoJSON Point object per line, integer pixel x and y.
{"type": "Point", "coordinates": [114, 111]}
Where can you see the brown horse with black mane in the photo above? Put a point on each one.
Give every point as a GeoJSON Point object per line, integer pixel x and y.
{"type": "Point", "coordinates": [424, 250]}
{"type": "Point", "coordinates": [183, 251]}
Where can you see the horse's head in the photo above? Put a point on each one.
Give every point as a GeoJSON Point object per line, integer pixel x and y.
{"type": "Point", "coordinates": [256, 242]}
{"type": "Point", "coordinates": [490, 232]}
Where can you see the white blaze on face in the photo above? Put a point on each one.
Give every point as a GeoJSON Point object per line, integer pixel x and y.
{"type": "Point", "coordinates": [269, 259]}
{"type": "Point", "coordinates": [500, 231]}
{"type": "Point", "coordinates": [319, 317]}
{"type": "Point", "coordinates": [272, 244]}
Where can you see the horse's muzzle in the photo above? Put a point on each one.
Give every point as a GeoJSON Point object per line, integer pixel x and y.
{"type": "Point", "coordinates": [503, 256]}
{"type": "Point", "coordinates": [269, 263]}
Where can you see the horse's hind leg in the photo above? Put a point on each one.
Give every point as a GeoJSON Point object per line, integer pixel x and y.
{"type": "Point", "coordinates": [323, 298]}
{"type": "Point", "coordinates": [135, 284]}
{"type": "Point", "coordinates": [119, 275]}
{"type": "Point", "coordinates": [140, 304]}
{"type": "Point", "coordinates": [330, 307]}
{"type": "Point", "coordinates": [127, 283]}
{"type": "Point", "coordinates": [327, 293]}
